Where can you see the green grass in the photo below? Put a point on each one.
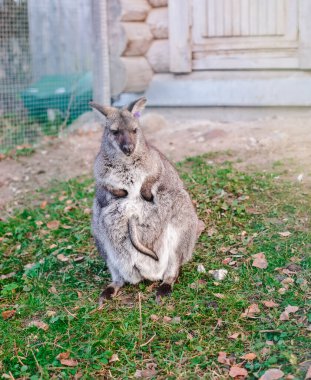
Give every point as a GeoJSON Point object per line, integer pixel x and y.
{"type": "Point", "coordinates": [244, 214]}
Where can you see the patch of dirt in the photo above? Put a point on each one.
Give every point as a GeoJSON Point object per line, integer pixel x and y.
{"type": "Point", "coordinates": [264, 144]}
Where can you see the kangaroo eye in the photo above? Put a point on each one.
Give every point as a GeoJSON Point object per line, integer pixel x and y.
{"type": "Point", "coordinates": [134, 130]}
{"type": "Point", "coordinates": [114, 132]}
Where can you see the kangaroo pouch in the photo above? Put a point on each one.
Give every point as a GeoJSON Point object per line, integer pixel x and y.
{"type": "Point", "coordinates": [113, 232]}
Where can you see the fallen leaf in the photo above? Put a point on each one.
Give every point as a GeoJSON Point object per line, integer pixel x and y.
{"type": "Point", "coordinates": [287, 281]}
{"type": "Point", "coordinates": [114, 358]}
{"type": "Point", "coordinates": [53, 225]}
{"type": "Point", "coordinates": [282, 290]}
{"type": "Point", "coordinates": [250, 356]}
{"type": "Point", "coordinates": [260, 260]}
{"type": "Point", "coordinates": [43, 204]}
{"type": "Point", "coordinates": [236, 371]}
{"type": "Point", "coordinates": [63, 355]}
{"type": "Point", "coordinates": [62, 257]}
{"type": "Point", "coordinates": [308, 375]}
{"type": "Point", "coordinates": [272, 374]}
{"type": "Point", "coordinates": [226, 260]}
{"type": "Point", "coordinates": [38, 223]}
{"type": "Point", "coordinates": [29, 266]}
{"type": "Point", "coordinates": [8, 314]}
{"type": "Point", "coordinates": [69, 362]}
{"type": "Point", "coordinates": [234, 336]}
{"type": "Point", "coordinates": [219, 295]}
{"type": "Point", "coordinates": [222, 358]}
{"type": "Point", "coordinates": [285, 234]}
{"type": "Point", "coordinates": [39, 324]}
{"type": "Point", "coordinates": [53, 290]}
{"type": "Point", "coordinates": [176, 320]}
{"type": "Point", "coordinates": [50, 313]}
{"type": "Point", "coordinates": [270, 304]}
{"type": "Point", "coordinates": [154, 317]}
{"type": "Point", "coordinates": [8, 275]}
{"type": "Point", "coordinates": [87, 211]}
{"type": "Point", "coordinates": [288, 310]}
{"type": "Point", "coordinates": [150, 371]}
{"type": "Point", "coordinates": [251, 311]}
{"type": "Point", "coordinates": [167, 319]}
{"type": "Point", "coordinates": [52, 246]}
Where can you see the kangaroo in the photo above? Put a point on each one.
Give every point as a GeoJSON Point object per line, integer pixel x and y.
{"type": "Point", "coordinates": [144, 222]}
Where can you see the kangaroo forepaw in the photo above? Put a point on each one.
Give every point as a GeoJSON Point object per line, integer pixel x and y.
{"type": "Point", "coordinates": [164, 290]}
{"type": "Point", "coordinates": [107, 294]}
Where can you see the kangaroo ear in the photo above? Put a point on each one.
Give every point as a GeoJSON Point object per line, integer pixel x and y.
{"type": "Point", "coordinates": [104, 110]}
{"type": "Point", "coordinates": [137, 106]}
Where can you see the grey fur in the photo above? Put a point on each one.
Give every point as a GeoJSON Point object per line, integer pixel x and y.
{"type": "Point", "coordinates": [166, 225]}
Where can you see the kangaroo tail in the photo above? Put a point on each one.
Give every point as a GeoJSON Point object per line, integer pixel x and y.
{"type": "Point", "coordinates": [136, 243]}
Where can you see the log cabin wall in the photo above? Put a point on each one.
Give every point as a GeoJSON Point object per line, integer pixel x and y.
{"type": "Point", "coordinates": [139, 45]}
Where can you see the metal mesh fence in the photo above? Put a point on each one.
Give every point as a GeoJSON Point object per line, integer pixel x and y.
{"type": "Point", "coordinates": [45, 67]}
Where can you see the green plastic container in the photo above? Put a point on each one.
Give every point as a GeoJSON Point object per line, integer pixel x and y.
{"type": "Point", "coordinates": [67, 95]}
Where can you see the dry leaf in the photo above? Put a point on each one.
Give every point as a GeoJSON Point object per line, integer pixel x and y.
{"type": "Point", "coordinates": [234, 336]}
{"type": "Point", "coordinates": [270, 304]}
{"type": "Point", "coordinates": [62, 257]}
{"type": "Point", "coordinates": [288, 310]}
{"type": "Point", "coordinates": [308, 375]}
{"type": "Point", "coordinates": [236, 371]}
{"type": "Point", "coordinates": [285, 234]}
{"type": "Point", "coordinates": [39, 324]}
{"type": "Point", "coordinates": [226, 260]}
{"type": "Point", "coordinates": [222, 358]}
{"type": "Point", "coordinates": [219, 295]}
{"type": "Point", "coordinates": [9, 275]}
{"type": "Point", "coordinates": [43, 204]}
{"type": "Point", "coordinates": [272, 374]}
{"type": "Point", "coordinates": [167, 319]}
{"type": "Point", "coordinates": [53, 224]}
{"type": "Point", "coordinates": [38, 223]}
{"type": "Point", "coordinates": [50, 313]}
{"type": "Point", "coordinates": [29, 266]}
{"type": "Point", "coordinates": [53, 290]}
{"type": "Point", "coordinates": [154, 317]}
{"type": "Point", "coordinates": [63, 355]}
{"type": "Point", "coordinates": [282, 290]}
{"type": "Point", "coordinates": [8, 314]}
{"type": "Point", "coordinates": [114, 358]}
{"type": "Point", "coordinates": [69, 362]}
{"type": "Point", "coordinates": [251, 311]}
{"type": "Point", "coordinates": [250, 356]}
{"type": "Point", "coordinates": [260, 260]}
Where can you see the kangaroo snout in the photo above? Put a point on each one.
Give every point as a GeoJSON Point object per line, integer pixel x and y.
{"type": "Point", "coordinates": [127, 149]}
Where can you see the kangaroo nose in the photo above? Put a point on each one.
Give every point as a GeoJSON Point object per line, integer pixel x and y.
{"type": "Point", "coordinates": [128, 149]}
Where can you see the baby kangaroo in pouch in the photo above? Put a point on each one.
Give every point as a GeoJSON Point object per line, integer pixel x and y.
{"type": "Point", "coordinates": [144, 224]}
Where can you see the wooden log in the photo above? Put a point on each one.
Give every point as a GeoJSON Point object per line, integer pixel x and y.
{"type": "Point", "coordinates": [158, 3]}
{"type": "Point", "coordinates": [134, 10]}
{"type": "Point", "coordinates": [138, 74]}
{"type": "Point", "coordinates": [138, 38]}
{"type": "Point", "coordinates": [158, 56]}
{"type": "Point", "coordinates": [158, 22]}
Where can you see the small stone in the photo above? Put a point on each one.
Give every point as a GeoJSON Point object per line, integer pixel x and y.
{"type": "Point", "coordinates": [219, 274]}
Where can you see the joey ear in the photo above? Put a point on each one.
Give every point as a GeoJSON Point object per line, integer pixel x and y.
{"type": "Point", "coordinates": [137, 106]}
{"type": "Point", "coordinates": [104, 110]}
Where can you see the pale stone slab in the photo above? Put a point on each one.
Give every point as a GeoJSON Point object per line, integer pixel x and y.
{"type": "Point", "coordinates": [158, 22]}
{"type": "Point", "coordinates": [237, 89]}
{"type": "Point", "coordinates": [138, 38]}
{"type": "Point", "coordinates": [134, 10]}
{"type": "Point", "coordinates": [158, 56]}
{"type": "Point", "coordinates": [138, 74]}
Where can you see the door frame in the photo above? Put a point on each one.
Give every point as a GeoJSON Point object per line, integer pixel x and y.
{"type": "Point", "coordinates": [180, 36]}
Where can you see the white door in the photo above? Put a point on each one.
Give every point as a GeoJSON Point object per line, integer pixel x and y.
{"type": "Point", "coordinates": [239, 34]}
